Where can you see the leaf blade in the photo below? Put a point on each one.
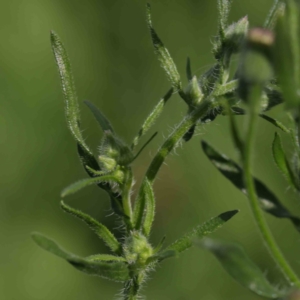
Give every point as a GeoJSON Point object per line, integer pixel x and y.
{"type": "Point", "coordinates": [76, 186]}
{"type": "Point", "coordinates": [153, 116]}
{"type": "Point", "coordinates": [150, 207]}
{"type": "Point", "coordinates": [234, 174]}
{"type": "Point", "coordinates": [116, 271]}
{"type": "Point", "coordinates": [69, 91]}
{"type": "Point", "coordinates": [200, 231]}
{"type": "Point", "coordinates": [101, 119]}
{"type": "Point", "coordinates": [282, 162]}
{"type": "Point", "coordinates": [240, 267]}
{"type": "Point", "coordinates": [100, 230]}
{"type": "Point", "coordinates": [163, 55]}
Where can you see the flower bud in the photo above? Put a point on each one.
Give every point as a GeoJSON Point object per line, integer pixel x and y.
{"type": "Point", "coordinates": [137, 249]}
{"type": "Point", "coordinates": [256, 58]}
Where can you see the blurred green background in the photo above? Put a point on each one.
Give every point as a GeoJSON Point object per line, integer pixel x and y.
{"type": "Point", "coordinates": [114, 67]}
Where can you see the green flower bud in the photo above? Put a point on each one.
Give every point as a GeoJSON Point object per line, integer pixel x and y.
{"type": "Point", "coordinates": [137, 249]}
{"type": "Point", "coordinates": [194, 92]}
{"type": "Point", "coordinates": [107, 164]}
{"type": "Point", "coordinates": [256, 59]}
{"type": "Point", "coordinates": [234, 37]}
{"type": "Point", "coordinates": [113, 152]}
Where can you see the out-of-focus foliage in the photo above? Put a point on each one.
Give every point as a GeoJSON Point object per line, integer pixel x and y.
{"type": "Point", "coordinates": [115, 68]}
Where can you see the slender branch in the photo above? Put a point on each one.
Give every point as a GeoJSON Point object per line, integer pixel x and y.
{"type": "Point", "coordinates": [254, 203]}
{"type": "Point", "coordinates": [126, 197]}
{"type": "Point", "coordinates": [132, 287]}
{"type": "Point", "coordinates": [173, 139]}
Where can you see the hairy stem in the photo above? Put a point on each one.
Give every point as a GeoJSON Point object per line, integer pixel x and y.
{"type": "Point", "coordinates": [173, 139]}
{"type": "Point", "coordinates": [132, 287]}
{"type": "Point", "coordinates": [254, 203]}
{"type": "Point", "coordinates": [126, 197]}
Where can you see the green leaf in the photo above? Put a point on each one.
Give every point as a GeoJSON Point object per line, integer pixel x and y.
{"type": "Point", "coordinates": [116, 271]}
{"type": "Point", "coordinates": [274, 97]}
{"type": "Point", "coordinates": [101, 119]}
{"type": "Point", "coordinates": [162, 256]}
{"type": "Point", "coordinates": [224, 8]}
{"type": "Point", "coordinates": [276, 11]}
{"type": "Point", "coordinates": [144, 209]}
{"type": "Point", "coordinates": [105, 257]}
{"type": "Point", "coordinates": [75, 187]}
{"type": "Point", "coordinates": [201, 231]}
{"type": "Point", "coordinates": [101, 231]}
{"type": "Point", "coordinates": [234, 173]}
{"type": "Point", "coordinates": [281, 161]}
{"type": "Point", "coordinates": [226, 88]}
{"type": "Point", "coordinates": [159, 245]}
{"type": "Point", "coordinates": [149, 207]}
{"type": "Point", "coordinates": [69, 92]}
{"type": "Point", "coordinates": [150, 120]}
{"type": "Point", "coordinates": [164, 55]}
{"type": "Point", "coordinates": [239, 266]}
{"type": "Point", "coordinates": [275, 123]}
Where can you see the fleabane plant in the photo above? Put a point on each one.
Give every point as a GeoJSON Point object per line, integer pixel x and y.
{"type": "Point", "coordinates": [251, 91]}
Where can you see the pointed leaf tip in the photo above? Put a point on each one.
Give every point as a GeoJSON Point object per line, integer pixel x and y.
{"type": "Point", "coordinates": [163, 54]}
{"type": "Point", "coordinates": [228, 215]}
{"type": "Point", "coordinates": [201, 231]}
{"type": "Point", "coordinates": [100, 230]}
{"type": "Point", "coordinates": [99, 116]}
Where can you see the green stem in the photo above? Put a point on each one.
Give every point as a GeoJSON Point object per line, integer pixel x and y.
{"type": "Point", "coordinates": [126, 197]}
{"type": "Point", "coordinates": [174, 138]}
{"type": "Point", "coordinates": [132, 287]}
{"type": "Point", "coordinates": [254, 203]}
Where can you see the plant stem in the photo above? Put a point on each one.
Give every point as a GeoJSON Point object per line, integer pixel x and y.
{"type": "Point", "coordinates": [175, 137]}
{"type": "Point", "coordinates": [132, 287]}
{"type": "Point", "coordinates": [126, 197]}
{"type": "Point", "coordinates": [254, 203]}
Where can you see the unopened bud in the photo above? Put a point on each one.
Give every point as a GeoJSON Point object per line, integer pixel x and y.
{"type": "Point", "coordinates": [194, 92]}
{"type": "Point", "coordinates": [256, 58]}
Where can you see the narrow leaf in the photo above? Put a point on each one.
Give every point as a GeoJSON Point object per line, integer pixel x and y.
{"type": "Point", "coordinates": [159, 245]}
{"type": "Point", "coordinates": [105, 257]}
{"type": "Point", "coordinates": [116, 271]}
{"type": "Point", "coordinates": [101, 119]}
{"type": "Point", "coordinates": [281, 160]}
{"type": "Point", "coordinates": [275, 123]}
{"type": "Point", "coordinates": [75, 187]}
{"type": "Point", "coordinates": [162, 256]}
{"type": "Point", "coordinates": [189, 134]}
{"type": "Point", "coordinates": [226, 88]}
{"type": "Point", "coordinates": [224, 8]}
{"type": "Point", "coordinates": [276, 11]}
{"type": "Point", "coordinates": [69, 92]}
{"type": "Point", "coordinates": [234, 173]}
{"type": "Point", "coordinates": [101, 231]}
{"type": "Point", "coordinates": [150, 120]}
{"type": "Point", "coordinates": [150, 207]}
{"type": "Point", "coordinates": [145, 145]}
{"type": "Point", "coordinates": [164, 55]}
{"type": "Point", "coordinates": [201, 231]}
{"type": "Point", "coordinates": [239, 266]}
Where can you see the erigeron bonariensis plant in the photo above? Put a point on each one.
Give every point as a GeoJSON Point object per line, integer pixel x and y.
{"type": "Point", "coordinates": [265, 78]}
